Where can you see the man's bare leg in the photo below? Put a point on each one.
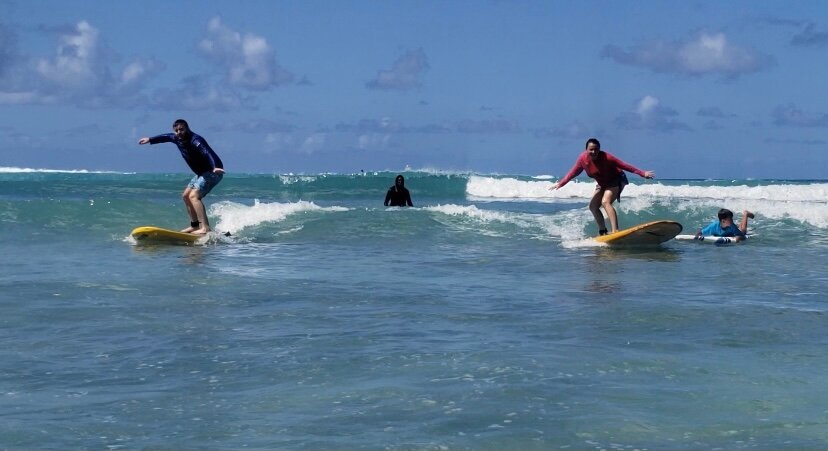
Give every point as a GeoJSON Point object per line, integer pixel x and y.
{"type": "Point", "coordinates": [191, 211]}
{"type": "Point", "coordinates": [200, 211]}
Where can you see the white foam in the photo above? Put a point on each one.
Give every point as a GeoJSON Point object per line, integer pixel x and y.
{"type": "Point", "coordinates": [471, 211]}
{"type": "Point", "coordinates": [475, 220]}
{"type": "Point", "coordinates": [435, 171]}
{"type": "Point", "coordinates": [511, 188]}
{"type": "Point", "coordinates": [290, 179]}
{"type": "Point", "coordinates": [803, 202]}
{"type": "Point", "coordinates": [568, 225]}
{"type": "Point", "coordinates": [15, 170]}
{"type": "Point", "coordinates": [813, 192]}
{"type": "Point", "coordinates": [811, 214]}
{"type": "Point", "coordinates": [234, 216]}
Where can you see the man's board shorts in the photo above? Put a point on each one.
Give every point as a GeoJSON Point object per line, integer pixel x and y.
{"type": "Point", "coordinates": [205, 183]}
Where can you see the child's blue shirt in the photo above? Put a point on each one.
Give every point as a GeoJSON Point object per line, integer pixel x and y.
{"type": "Point", "coordinates": [715, 229]}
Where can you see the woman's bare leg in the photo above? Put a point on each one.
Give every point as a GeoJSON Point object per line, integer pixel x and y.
{"type": "Point", "coordinates": [607, 199]}
{"type": "Point", "coordinates": [595, 208]}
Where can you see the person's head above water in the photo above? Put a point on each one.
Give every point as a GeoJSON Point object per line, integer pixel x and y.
{"type": "Point", "coordinates": [181, 128]}
{"type": "Point", "coordinates": [399, 181]}
{"type": "Point", "coordinates": [593, 146]}
{"type": "Point", "coordinates": [725, 217]}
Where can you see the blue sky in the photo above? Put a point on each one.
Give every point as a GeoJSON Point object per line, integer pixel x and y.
{"type": "Point", "coordinates": [691, 89]}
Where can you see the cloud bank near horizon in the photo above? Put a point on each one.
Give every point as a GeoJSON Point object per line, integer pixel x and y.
{"type": "Point", "coordinates": [706, 53]}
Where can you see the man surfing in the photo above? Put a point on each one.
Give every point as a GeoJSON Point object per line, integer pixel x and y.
{"type": "Point", "coordinates": [204, 162]}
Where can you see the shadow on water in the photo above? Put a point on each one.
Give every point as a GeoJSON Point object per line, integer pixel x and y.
{"type": "Point", "coordinates": [602, 287]}
{"type": "Point", "coordinates": [648, 253]}
{"type": "Point", "coordinates": [608, 270]}
{"type": "Point", "coordinates": [193, 255]}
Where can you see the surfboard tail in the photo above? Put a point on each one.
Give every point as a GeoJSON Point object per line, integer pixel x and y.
{"type": "Point", "coordinates": [651, 233]}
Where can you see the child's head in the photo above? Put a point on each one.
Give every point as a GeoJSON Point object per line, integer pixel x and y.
{"type": "Point", "coordinates": [725, 217]}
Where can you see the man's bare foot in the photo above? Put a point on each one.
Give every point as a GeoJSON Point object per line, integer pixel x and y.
{"type": "Point", "coordinates": [748, 214]}
{"type": "Point", "coordinates": [188, 230]}
{"type": "Point", "coordinates": [201, 231]}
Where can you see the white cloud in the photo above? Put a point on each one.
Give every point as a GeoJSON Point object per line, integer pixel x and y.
{"type": "Point", "coordinates": [703, 54]}
{"type": "Point", "coordinates": [82, 72]}
{"type": "Point", "coordinates": [406, 72]}
{"type": "Point", "coordinates": [650, 114]}
{"type": "Point", "coordinates": [647, 105]}
{"type": "Point", "coordinates": [79, 73]}
{"type": "Point", "coordinates": [314, 143]}
{"type": "Point", "coordinates": [248, 59]}
{"type": "Point", "coordinates": [76, 64]}
{"type": "Point", "coordinates": [135, 75]}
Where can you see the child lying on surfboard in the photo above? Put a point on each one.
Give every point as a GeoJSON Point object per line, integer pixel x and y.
{"type": "Point", "coordinates": [724, 226]}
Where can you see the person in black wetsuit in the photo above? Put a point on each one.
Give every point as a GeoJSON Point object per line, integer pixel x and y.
{"type": "Point", "coordinates": [204, 162]}
{"type": "Point", "coordinates": [398, 195]}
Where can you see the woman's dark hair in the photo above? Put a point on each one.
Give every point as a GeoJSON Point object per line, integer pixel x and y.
{"type": "Point", "coordinates": [595, 141]}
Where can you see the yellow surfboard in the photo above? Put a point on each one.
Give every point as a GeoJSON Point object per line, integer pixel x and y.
{"type": "Point", "coordinates": [158, 235]}
{"type": "Point", "coordinates": [647, 234]}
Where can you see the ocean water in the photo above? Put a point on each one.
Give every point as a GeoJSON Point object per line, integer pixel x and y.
{"type": "Point", "coordinates": [483, 318]}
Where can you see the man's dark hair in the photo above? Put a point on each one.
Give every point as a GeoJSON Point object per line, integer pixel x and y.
{"type": "Point", "coordinates": [724, 213]}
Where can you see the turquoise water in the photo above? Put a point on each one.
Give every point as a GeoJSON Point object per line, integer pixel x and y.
{"type": "Point", "coordinates": [482, 318]}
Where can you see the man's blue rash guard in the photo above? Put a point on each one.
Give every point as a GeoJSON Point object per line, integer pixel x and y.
{"type": "Point", "coordinates": [195, 151]}
{"type": "Point", "coordinates": [715, 229]}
